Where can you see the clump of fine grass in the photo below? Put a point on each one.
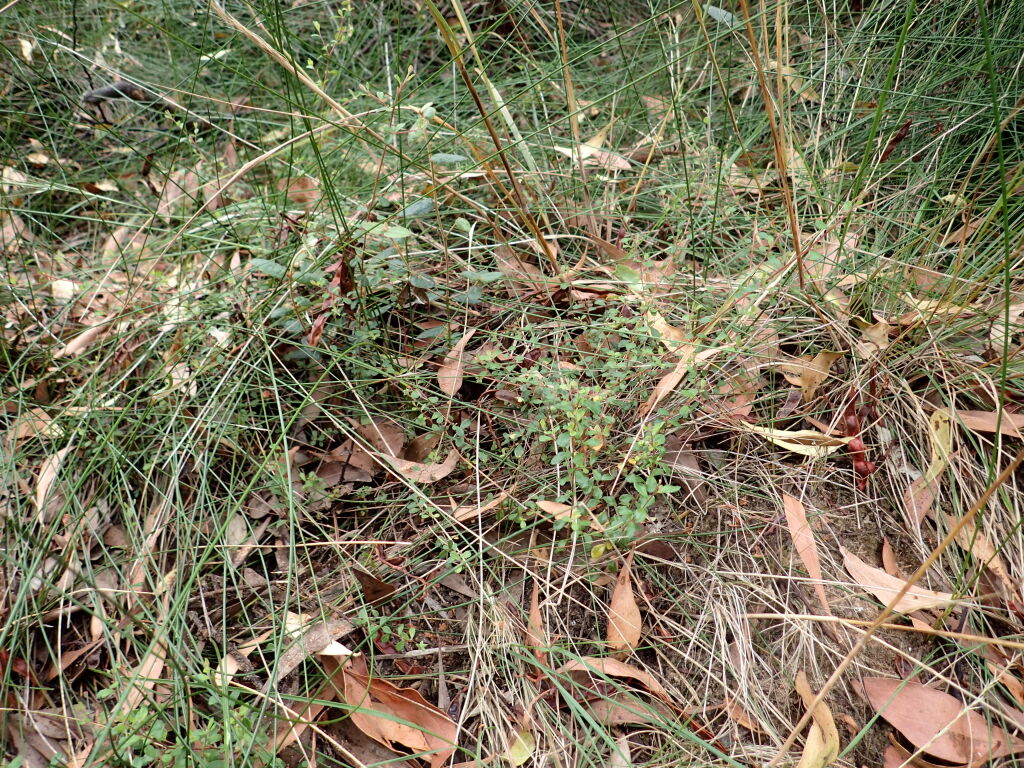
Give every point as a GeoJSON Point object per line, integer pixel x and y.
{"type": "Point", "coordinates": [204, 302]}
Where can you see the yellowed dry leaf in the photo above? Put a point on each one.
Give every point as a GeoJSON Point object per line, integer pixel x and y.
{"type": "Point", "coordinates": [449, 375]}
{"type": "Point", "coordinates": [674, 339]}
{"type": "Point", "coordinates": [48, 475]}
{"type": "Point", "coordinates": [521, 746]}
{"type": "Point", "coordinates": [806, 442]}
{"type": "Point", "coordinates": [796, 83]}
{"type": "Point", "coordinates": [588, 148]}
{"type": "Point", "coordinates": [624, 622]}
{"type": "Point", "coordinates": [874, 339]}
{"type": "Point", "coordinates": [809, 372]}
{"type": "Point", "coordinates": [926, 310]}
{"type": "Point", "coordinates": [919, 497]}
{"type": "Point", "coordinates": [973, 540]}
{"type": "Point", "coordinates": [804, 544]}
{"type": "Point", "coordinates": [822, 746]}
{"type": "Point", "coordinates": [885, 587]}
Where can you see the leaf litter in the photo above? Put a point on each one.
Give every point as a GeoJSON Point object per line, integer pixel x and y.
{"type": "Point", "coordinates": [370, 457]}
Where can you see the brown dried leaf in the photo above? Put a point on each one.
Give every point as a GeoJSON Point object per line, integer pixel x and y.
{"type": "Point", "coordinates": [1004, 422]}
{"type": "Point", "coordinates": [535, 636]}
{"type": "Point", "coordinates": [83, 341]}
{"type": "Point", "coordinates": [472, 511]}
{"type": "Point", "coordinates": [804, 544]}
{"type": "Point", "coordinates": [449, 375]}
{"type": "Point", "coordinates": [417, 472]}
{"type": "Point", "coordinates": [180, 191]}
{"type": "Point", "coordinates": [360, 749]}
{"type": "Point", "coordinates": [374, 590]}
{"type": "Point", "coordinates": [348, 462]}
{"type": "Point", "coordinates": [384, 435]}
{"type": "Point", "coordinates": [961, 234]}
{"type": "Point", "coordinates": [740, 716]}
{"type": "Point", "coordinates": [420, 447]}
{"type": "Point", "coordinates": [626, 709]}
{"type": "Point", "coordinates": [938, 723]}
{"type": "Point", "coordinates": [524, 278]}
{"type": "Point", "coordinates": [608, 160]}
{"type": "Point", "coordinates": [624, 623]}
{"type": "Point", "coordinates": [621, 756]}
{"type": "Point", "coordinates": [560, 511]}
{"type": "Point", "coordinates": [684, 461]}
{"type": "Point", "coordinates": [303, 191]}
{"type": "Point", "coordinates": [35, 422]}
{"type": "Point", "coordinates": [889, 560]}
{"type": "Point", "coordinates": [885, 587]}
{"type": "Point", "coordinates": [586, 668]}
{"type": "Point", "coordinates": [396, 716]}
{"type": "Point", "coordinates": [667, 383]}
{"type": "Point", "coordinates": [310, 638]}
{"type": "Point", "coordinates": [48, 475]}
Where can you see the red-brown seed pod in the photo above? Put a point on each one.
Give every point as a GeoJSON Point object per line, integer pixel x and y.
{"type": "Point", "coordinates": [856, 445]}
{"type": "Point", "coordinates": [863, 467]}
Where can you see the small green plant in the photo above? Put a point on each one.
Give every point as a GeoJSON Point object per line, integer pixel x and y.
{"type": "Point", "coordinates": [145, 736]}
{"type": "Point", "coordinates": [386, 629]}
{"type": "Point", "coordinates": [579, 421]}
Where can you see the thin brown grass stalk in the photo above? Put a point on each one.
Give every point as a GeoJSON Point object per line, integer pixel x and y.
{"type": "Point", "coordinates": [517, 197]}
{"type": "Point", "coordinates": [778, 145]}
